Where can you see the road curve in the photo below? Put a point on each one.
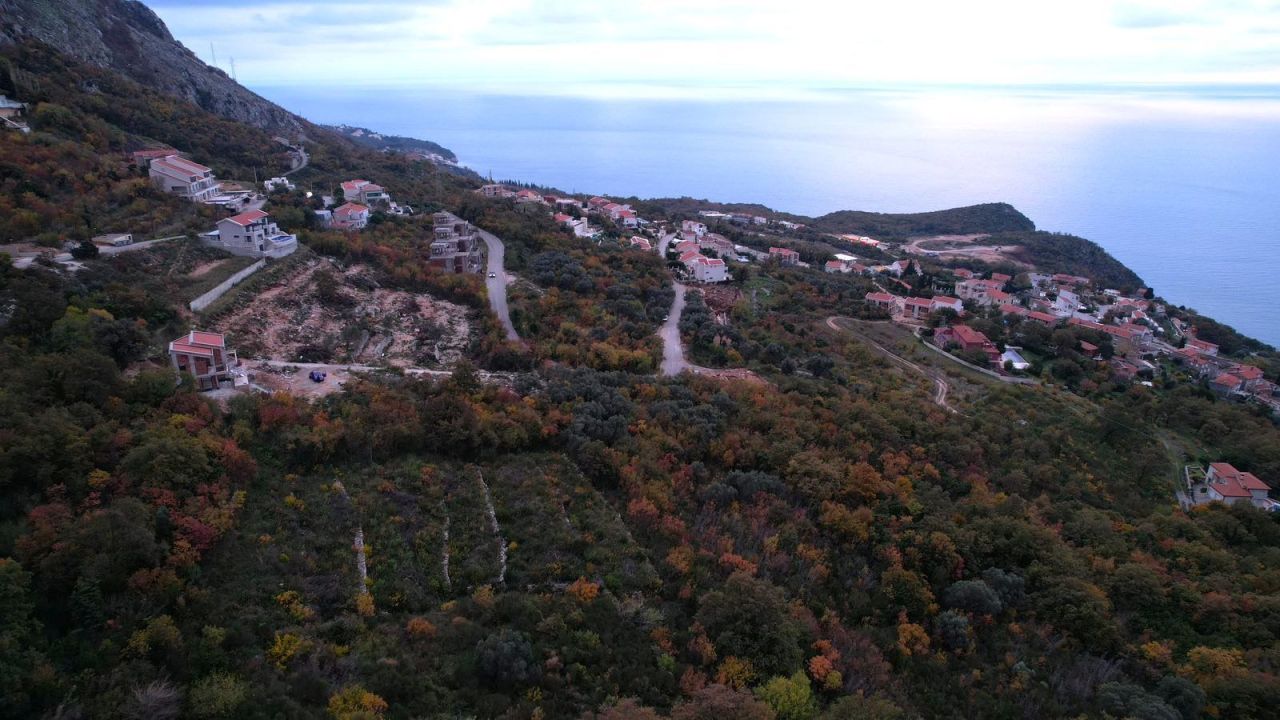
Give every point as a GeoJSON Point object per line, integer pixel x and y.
{"type": "Point", "coordinates": [497, 284]}
{"type": "Point", "coordinates": [673, 362]}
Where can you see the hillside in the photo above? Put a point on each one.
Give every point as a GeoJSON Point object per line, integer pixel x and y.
{"type": "Point", "coordinates": [127, 37]}
{"type": "Point", "coordinates": [859, 528]}
{"type": "Point", "coordinates": [987, 218]}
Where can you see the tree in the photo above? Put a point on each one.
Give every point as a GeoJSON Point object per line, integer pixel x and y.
{"type": "Point", "coordinates": [750, 619]}
{"type": "Point", "coordinates": [19, 636]}
{"type": "Point", "coordinates": [626, 709]}
{"type": "Point", "coordinates": [506, 659]}
{"type": "Point", "coordinates": [217, 696]}
{"type": "Point", "coordinates": [717, 702]}
{"type": "Point", "coordinates": [862, 707]}
{"type": "Point", "coordinates": [973, 596]}
{"type": "Point", "coordinates": [791, 698]}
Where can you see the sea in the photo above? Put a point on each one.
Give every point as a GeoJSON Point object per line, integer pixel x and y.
{"type": "Point", "coordinates": [1180, 184]}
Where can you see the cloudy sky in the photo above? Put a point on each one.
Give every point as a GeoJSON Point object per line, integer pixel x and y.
{"type": "Point", "coordinates": [622, 46]}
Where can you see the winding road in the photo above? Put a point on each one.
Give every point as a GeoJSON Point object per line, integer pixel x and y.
{"type": "Point", "coordinates": [940, 386]}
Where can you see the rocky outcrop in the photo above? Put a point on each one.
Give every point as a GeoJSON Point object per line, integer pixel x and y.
{"type": "Point", "coordinates": [127, 37]}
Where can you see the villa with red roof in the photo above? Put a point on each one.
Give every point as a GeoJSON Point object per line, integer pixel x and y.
{"type": "Point", "coordinates": [1226, 384]}
{"type": "Point", "coordinates": [253, 234]}
{"type": "Point", "coordinates": [350, 216]}
{"type": "Point", "coordinates": [364, 192]}
{"type": "Point", "coordinates": [184, 178]}
{"type": "Point", "coordinates": [205, 356]}
{"type": "Point", "coordinates": [967, 339]}
{"type": "Point", "coordinates": [882, 300]}
{"type": "Point", "coordinates": [1200, 346]}
{"type": "Point", "coordinates": [916, 308]}
{"type": "Point", "coordinates": [1225, 484]}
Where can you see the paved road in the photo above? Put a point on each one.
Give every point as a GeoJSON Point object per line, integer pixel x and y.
{"type": "Point", "coordinates": [496, 285]}
{"type": "Point", "coordinates": [673, 362]}
{"type": "Point", "coordinates": [111, 250]}
{"type": "Point", "coordinates": [940, 386]}
{"type": "Point", "coordinates": [300, 160]}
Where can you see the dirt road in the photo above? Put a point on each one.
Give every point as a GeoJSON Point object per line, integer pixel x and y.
{"type": "Point", "coordinates": [673, 362]}
{"type": "Point", "coordinates": [940, 387]}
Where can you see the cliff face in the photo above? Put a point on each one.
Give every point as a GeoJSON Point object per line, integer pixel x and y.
{"type": "Point", "coordinates": [127, 37]}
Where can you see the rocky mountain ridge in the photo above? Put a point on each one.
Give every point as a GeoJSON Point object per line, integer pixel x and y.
{"type": "Point", "coordinates": [128, 37]}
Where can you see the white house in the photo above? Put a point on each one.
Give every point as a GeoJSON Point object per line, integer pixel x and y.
{"type": "Point", "coordinates": [278, 183]}
{"type": "Point", "coordinates": [707, 270]}
{"type": "Point", "coordinates": [693, 226]}
{"type": "Point", "coordinates": [178, 175]}
{"type": "Point", "coordinates": [253, 234]}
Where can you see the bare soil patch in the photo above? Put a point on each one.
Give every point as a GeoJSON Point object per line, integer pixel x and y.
{"type": "Point", "coordinates": [324, 313]}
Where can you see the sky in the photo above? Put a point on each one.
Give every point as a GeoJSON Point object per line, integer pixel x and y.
{"type": "Point", "coordinates": [625, 47]}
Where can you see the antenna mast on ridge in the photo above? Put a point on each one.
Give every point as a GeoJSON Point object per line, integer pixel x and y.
{"type": "Point", "coordinates": [214, 53]}
{"type": "Point", "coordinates": [233, 68]}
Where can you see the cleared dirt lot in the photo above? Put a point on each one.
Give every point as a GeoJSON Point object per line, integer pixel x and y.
{"type": "Point", "coordinates": [961, 247]}
{"type": "Point", "coordinates": [324, 313]}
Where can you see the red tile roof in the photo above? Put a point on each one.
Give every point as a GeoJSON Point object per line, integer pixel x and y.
{"type": "Point", "coordinates": [1231, 482]}
{"type": "Point", "coordinates": [245, 219]}
{"type": "Point", "coordinates": [350, 210]}
{"type": "Point", "coordinates": [1227, 380]}
{"type": "Point", "coordinates": [879, 297]}
{"type": "Point", "coordinates": [207, 338]}
{"type": "Point", "coordinates": [1248, 372]}
{"type": "Point", "coordinates": [182, 164]}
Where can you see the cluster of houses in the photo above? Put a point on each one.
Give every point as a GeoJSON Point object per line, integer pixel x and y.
{"type": "Point", "coordinates": [623, 215]}
{"type": "Point", "coordinates": [748, 219]}
{"type": "Point", "coordinates": [455, 246]}
{"type": "Point", "coordinates": [914, 308]}
{"type": "Point", "coordinates": [849, 264]}
{"type": "Point", "coordinates": [360, 198]}
{"type": "Point", "coordinates": [1223, 483]}
{"type": "Point", "coordinates": [694, 239]}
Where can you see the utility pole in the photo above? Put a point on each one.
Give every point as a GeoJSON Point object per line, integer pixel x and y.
{"type": "Point", "coordinates": [233, 68]}
{"type": "Point", "coordinates": [214, 53]}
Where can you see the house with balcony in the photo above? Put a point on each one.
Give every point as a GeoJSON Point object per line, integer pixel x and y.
{"type": "Point", "coordinates": [205, 356]}
{"type": "Point", "coordinates": [455, 246]}
{"type": "Point", "coordinates": [184, 178]}
{"type": "Point", "coordinates": [364, 193]}
{"type": "Point", "coordinates": [252, 234]}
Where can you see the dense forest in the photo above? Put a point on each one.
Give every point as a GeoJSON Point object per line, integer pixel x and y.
{"type": "Point", "coordinates": [584, 538]}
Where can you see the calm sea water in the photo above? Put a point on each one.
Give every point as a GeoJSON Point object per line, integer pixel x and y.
{"type": "Point", "coordinates": [1184, 190]}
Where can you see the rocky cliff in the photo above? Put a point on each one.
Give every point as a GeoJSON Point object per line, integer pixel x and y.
{"type": "Point", "coordinates": [127, 37]}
